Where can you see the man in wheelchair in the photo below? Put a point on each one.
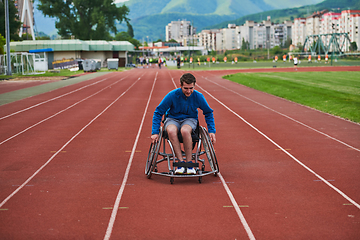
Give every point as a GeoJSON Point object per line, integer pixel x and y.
{"type": "Point", "coordinates": [180, 108]}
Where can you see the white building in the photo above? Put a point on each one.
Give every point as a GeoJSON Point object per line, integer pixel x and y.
{"type": "Point", "coordinates": [299, 31]}
{"type": "Point", "coordinates": [324, 22]}
{"type": "Point", "coordinates": [178, 30]}
{"type": "Point", "coordinates": [330, 23]}
{"type": "Point", "coordinates": [313, 23]}
{"type": "Point", "coordinates": [211, 39]}
{"type": "Point", "coordinates": [264, 35]}
{"type": "Point", "coordinates": [257, 35]}
{"type": "Point", "coordinates": [349, 23]}
{"type": "Point", "coordinates": [229, 38]}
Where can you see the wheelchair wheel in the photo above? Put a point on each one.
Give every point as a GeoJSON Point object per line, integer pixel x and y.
{"type": "Point", "coordinates": [209, 150]}
{"type": "Point", "coordinates": [152, 155]}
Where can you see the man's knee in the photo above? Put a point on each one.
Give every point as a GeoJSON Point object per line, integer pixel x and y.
{"type": "Point", "coordinates": [172, 131]}
{"type": "Point", "coordinates": [186, 131]}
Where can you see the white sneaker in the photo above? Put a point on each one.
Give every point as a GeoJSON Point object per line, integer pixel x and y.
{"type": "Point", "coordinates": [191, 171]}
{"type": "Point", "coordinates": [180, 170]}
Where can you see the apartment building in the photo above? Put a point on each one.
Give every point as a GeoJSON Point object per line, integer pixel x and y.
{"type": "Point", "coordinates": [349, 23]}
{"type": "Point", "coordinates": [330, 23]}
{"type": "Point", "coordinates": [299, 31]}
{"type": "Point", "coordinates": [264, 35]}
{"type": "Point", "coordinates": [246, 34]}
{"type": "Point", "coordinates": [268, 35]}
{"type": "Point", "coordinates": [229, 39]}
{"type": "Point", "coordinates": [211, 39]}
{"type": "Point", "coordinates": [178, 30]}
{"type": "Point", "coordinates": [313, 23]}
{"type": "Point", "coordinates": [327, 23]}
{"type": "Point", "coordinates": [258, 35]}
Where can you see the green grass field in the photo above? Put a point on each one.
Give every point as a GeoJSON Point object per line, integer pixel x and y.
{"type": "Point", "coordinates": [337, 93]}
{"type": "Point", "coordinates": [265, 64]}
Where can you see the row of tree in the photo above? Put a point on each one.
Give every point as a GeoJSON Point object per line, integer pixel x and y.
{"type": "Point", "coordinates": [82, 19]}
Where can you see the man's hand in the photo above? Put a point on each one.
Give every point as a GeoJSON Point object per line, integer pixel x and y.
{"type": "Point", "coordinates": [212, 137]}
{"type": "Point", "coordinates": [154, 138]}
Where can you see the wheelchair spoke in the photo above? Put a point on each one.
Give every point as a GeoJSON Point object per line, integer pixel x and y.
{"type": "Point", "coordinates": [209, 150]}
{"type": "Point", "coordinates": [152, 156]}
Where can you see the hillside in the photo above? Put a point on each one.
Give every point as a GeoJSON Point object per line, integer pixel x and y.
{"type": "Point", "coordinates": [149, 17]}
{"type": "Point", "coordinates": [278, 16]}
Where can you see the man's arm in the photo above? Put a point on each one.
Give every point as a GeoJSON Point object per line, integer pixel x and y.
{"type": "Point", "coordinates": [212, 137]}
{"type": "Point", "coordinates": [209, 115]}
{"type": "Point", "coordinates": [158, 115]}
{"type": "Point", "coordinates": [154, 138]}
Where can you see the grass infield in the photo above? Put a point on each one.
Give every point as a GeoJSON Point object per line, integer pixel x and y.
{"type": "Point", "coordinates": [336, 93]}
{"type": "Point", "coordinates": [262, 64]}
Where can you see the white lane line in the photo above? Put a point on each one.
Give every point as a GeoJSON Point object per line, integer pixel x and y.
{"type": "Point", "coordinates": [52, 99]}
{"type": "Point", "coordinates": [237, 208]}
{"type": "Point", "coordinates": [303, 124]}
{"type": "Point", "coordinates": [172, 79]}
{"type": "Point", "coordinates": [282, 149]}
{"type": "Point", "coordinates": [34, 125]}
{"type": "Point", "coordinates": [126, 176]}
{"type": "Point", "coordinates": [68, 142]}
{"type": "Point", "coordinates": [232, 199]}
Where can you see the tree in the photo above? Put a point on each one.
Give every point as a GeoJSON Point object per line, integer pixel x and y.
{"type": "Point", "coordinates": [245, 45]}
{"type": "Point", "coordinates": [14, 22]}
{"type": "Point", "coordinates": [124, 36]}
{"type": "Point", "coordinates": [354, 46]}
{"type": "Point", "coordinates": [85, 19]}
{"type": "Point", "coordinates": [2, 44]}
{"type": "Point", "coordinates": [130, 30]}
{"type": "Point", "coordinates": [276, 50]}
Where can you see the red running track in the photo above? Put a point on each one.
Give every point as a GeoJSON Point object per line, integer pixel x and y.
{"type": "Point", "coordinates": [73, 167]}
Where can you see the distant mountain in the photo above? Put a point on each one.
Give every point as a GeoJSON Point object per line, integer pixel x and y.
{"type": "Point", "coordinates": [149, 17]}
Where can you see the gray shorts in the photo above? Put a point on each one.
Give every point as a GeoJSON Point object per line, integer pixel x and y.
{"type": "Point", "coordinates": [192, 122]}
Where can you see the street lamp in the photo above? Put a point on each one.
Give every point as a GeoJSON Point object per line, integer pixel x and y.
{"type": "Point", "coordinates": [7, 36]}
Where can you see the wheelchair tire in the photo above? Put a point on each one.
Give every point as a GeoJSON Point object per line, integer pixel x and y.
{"type": "Point", "coordinates": [152, 155]}
{"type": "Point", "coordinates": [209, 150]}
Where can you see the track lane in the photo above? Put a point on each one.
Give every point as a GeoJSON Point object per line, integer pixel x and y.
{"type": "Point", "coordinates": [41, 142]}
{"type": "Point", "coordinates": [342, 154]}
{"type": "Point", "coordinates": [74, 177]}
{"type": "Point", "coordinates": [7, 127]}
{"type": "Point", "coordinates": [183, 205]}
{"type": "Point", "coordinates": [281, 129]}
{"type": "Point", "coordinates": [279, 199]}
{"type": "Point", "coordinates": [72, 86]}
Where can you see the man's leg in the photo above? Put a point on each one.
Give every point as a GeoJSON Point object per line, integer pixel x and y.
{"type": "Point", "coordinates": [186, 131]}
{"type": "Point", "coordinates": [172, 132]}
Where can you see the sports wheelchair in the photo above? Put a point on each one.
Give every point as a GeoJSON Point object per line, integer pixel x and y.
{"type": "Point", "coordinates": [161, 152]}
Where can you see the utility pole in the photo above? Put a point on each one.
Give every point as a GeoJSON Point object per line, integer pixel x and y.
{"type": "Point", "coordinates": [7, 36]}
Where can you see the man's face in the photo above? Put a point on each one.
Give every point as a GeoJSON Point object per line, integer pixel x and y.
{"type": "Point", "coordinates": [188, 89]}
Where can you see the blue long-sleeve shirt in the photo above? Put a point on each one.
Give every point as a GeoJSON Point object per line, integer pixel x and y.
{"type": "Point", "coordinates": [176, 105]}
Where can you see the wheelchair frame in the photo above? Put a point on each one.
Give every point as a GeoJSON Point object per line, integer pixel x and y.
{"type": "Point", "coordinates": [204, 147]}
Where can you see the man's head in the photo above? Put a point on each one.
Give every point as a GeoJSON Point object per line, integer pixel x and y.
{"type": "Point", "coordinates": [187, 78]}
{"type": "Point", "coordinates": [187, 81]}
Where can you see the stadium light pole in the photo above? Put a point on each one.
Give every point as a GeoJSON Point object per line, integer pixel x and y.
{"type": "Point", "coordinates": [7, 36]}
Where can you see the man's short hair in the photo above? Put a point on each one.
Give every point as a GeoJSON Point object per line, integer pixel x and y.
{"type": "Point", "coordinates": [187, 78]}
